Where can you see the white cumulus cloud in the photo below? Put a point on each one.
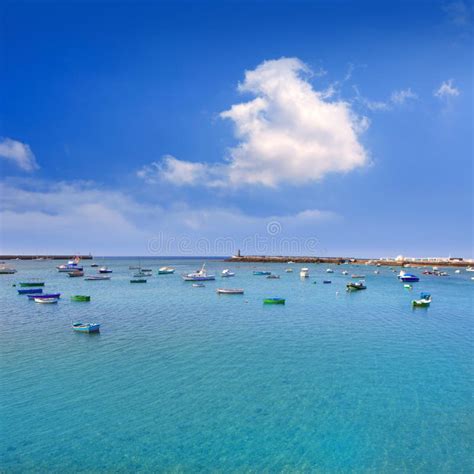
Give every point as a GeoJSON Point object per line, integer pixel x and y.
{"type": "Point", "coordinates": [288, 133]}
{"type": "Point", "coordinates": [446, 90]}
{"type": "Point", "coordinates": [18, 153]}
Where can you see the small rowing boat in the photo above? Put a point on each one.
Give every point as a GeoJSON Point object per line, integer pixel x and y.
{"type": "Point", "coordinates": [46, 300]}
{"type": "Point", "coordinates": [165, 271]}
{"type": "Point", "coordinates": [138, 280]}
{"type": "Point", "coordinates": [230, 291]}
{"type": "Point", "coordinates": [76, 273]}
{"type": "Point", "coordinates": [88, 327]}
{"type": "Point", "coordinates": [199, 285]}
{"type": "Point", "coordinates": [273, 277]}
{"type": "Point", "coordinates": [81, 298]}
{"type": "Point", "coordinates": [274, 301]}
{"type": "Point", "coordinates": [31, 283]}
{"type": "Point", "coordinates": [97, 278]}
{"type": "Point", "coordinates": [261, 272]}
{"type": "Point", "coordinates": [45, 296]}
{"type": "Point", "coordinates": [30, 291]}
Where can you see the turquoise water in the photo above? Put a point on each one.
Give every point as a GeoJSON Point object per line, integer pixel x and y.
{"type": "Point", "coordinates": [183, 380]}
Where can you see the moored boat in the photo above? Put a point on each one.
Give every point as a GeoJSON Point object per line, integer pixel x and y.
{"type": "Point", "coordinates": [141, 274]}
{"type": "Point", "coordinates": [289, 270]}
{"type": "Point", "coordinates": [138, 280]}
{"type": "Point", "coordinates": [24, 284]}
{"type": "Point", "coordinates": [403, 276]}
{"type": "Point", "coordinates": [97, 278]}
{"type": "Point", "coordinates": [261, 272]}
{"type": "Point", "coordinates": [274, 301]}
{"type": "Point", "coordinates": [87, 327]}
{"type": "Point", "coordinates": [105, 270]}
{"type": "Point", "coordinates": [30, 291]}
{"type": "Point", "coordinates": [81, 298]}
{"type": "Point", "coordinates": [304, 272]}
{"type": "Point", "coordinates": [345, 272]}
{"type": "Point", "coordinates": [94, 265]}
{"type": "Point", "coordinates": [356, 286]}
{"type": "Point", "coordinates": [199, 275]}
{"type": "Point", "coordinates": [272, 276]}
{"type": "Point", "coordinates": [470, 269]}
{"type": "Point", "coordinates": [329, 270]}
{"type": "Point", "coordinates": [165, 271]}
{"type": "Point", "coordinates": [227, 273]}
{"type": "Point", "coordinates": [327, 282]}
{"type": "Point", "coordinates": [7, 270]}
{"type": "Point", "coordinates": [45, 296]}
{"type": "Point", "coordinates": [357, 276]}
{"type": "Point", "coordinates": [199, 285]}
{"type": "Point", "coordinates": [423, 302]}
{"type": "Point", "coordinates": [45, 300]}
{"type": "Point", "coordinates": [76, 273]}
{"type": "Point", "coordinates": [230, 291]}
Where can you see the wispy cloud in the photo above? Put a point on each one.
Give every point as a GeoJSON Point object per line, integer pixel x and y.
{"type": "Point", "coordinates": [397, 98]}
{"type": "Point", "coordinates": [447, 90]}
{"type": "Point", "coordinates": [18, 153]}
{"type": "Point", "coordinates": [459, 13]}
{"type": "Point", "coordinates": [289, 133]}
{"type": "Point", "coordinates": [43, 217]}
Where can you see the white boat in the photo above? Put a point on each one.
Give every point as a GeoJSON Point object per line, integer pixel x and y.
{"type": "Point", "coordinates": [289, 270]}
{"type": "Point", "coordinates": [227, 273]}
{"type": "Point", "coordinates": [199, 275]}
{"type": "Point", "coordinates": [7, 270]}
{"type": "Point", "coordinates": [165, 271]}
{"type": "Point", "coordinates": [345, 272]}
{"type": "Point", "coordinates": [457, 271]}
{"type": "Point", "coordinates": [470, 269]}
{"type": "Point", "coordinates": [97, 277]}
{"type": "Point", "coordinates": [141, 274]}
{"type": "Point", "coordinates": [199, 285]}
{"type": "Point", "coordinates": [329, 270]}
{"type": "Point", "coordinates": [105, 270]}
{"type": "Point", "coordinates": [46, 300]}
{"type": "Point", "coordinates": [304, 272]}
{"type": "Point", "coordinates": [230, 291]}
{"type": "Point", "coordinates": [290, 262]}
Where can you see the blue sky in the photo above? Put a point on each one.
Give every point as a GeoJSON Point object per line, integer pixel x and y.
{"type": "Point", "coordinates": [328, 128]}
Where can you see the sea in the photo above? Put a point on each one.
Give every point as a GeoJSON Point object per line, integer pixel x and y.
{"type": "Point", "coordinates": [183, 380]}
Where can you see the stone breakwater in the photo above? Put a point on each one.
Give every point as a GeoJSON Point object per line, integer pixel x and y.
{"type": "Point", "coordinates": [342, 260]}
{"type": "Point", "coordinates": [45, 257]}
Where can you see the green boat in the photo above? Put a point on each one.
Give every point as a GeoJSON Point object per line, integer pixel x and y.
{"type": "Point", "coordinates": [423, 302]}
{"type": "Point", "coordinates": [274, 301]}
{"type": "Point", "coordinates": [80, 298]}
{"type": "Point", "coordinates": [31, 284]}
{"type": "Point", "coordinates": [138, 280]}
{"type": "Point", "coordinates": [356, 286]}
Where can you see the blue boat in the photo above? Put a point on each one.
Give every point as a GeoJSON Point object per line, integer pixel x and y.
{"type": "Point", "coordinates": [259, 272]}
{"type": "Point", "coordinates": [403, 276]}
{"type": "Point", "coordinates": [326, 282]}
{"type": "Point", "coordinates": [88, 327]}
{"type": "Point", "coordinates": [30, 291]}
{"type": "Point", "coordinates": [45, 295]}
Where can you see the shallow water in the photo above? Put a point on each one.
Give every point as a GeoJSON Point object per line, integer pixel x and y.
{"type": "Point", "coordinates": [183, 380]}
